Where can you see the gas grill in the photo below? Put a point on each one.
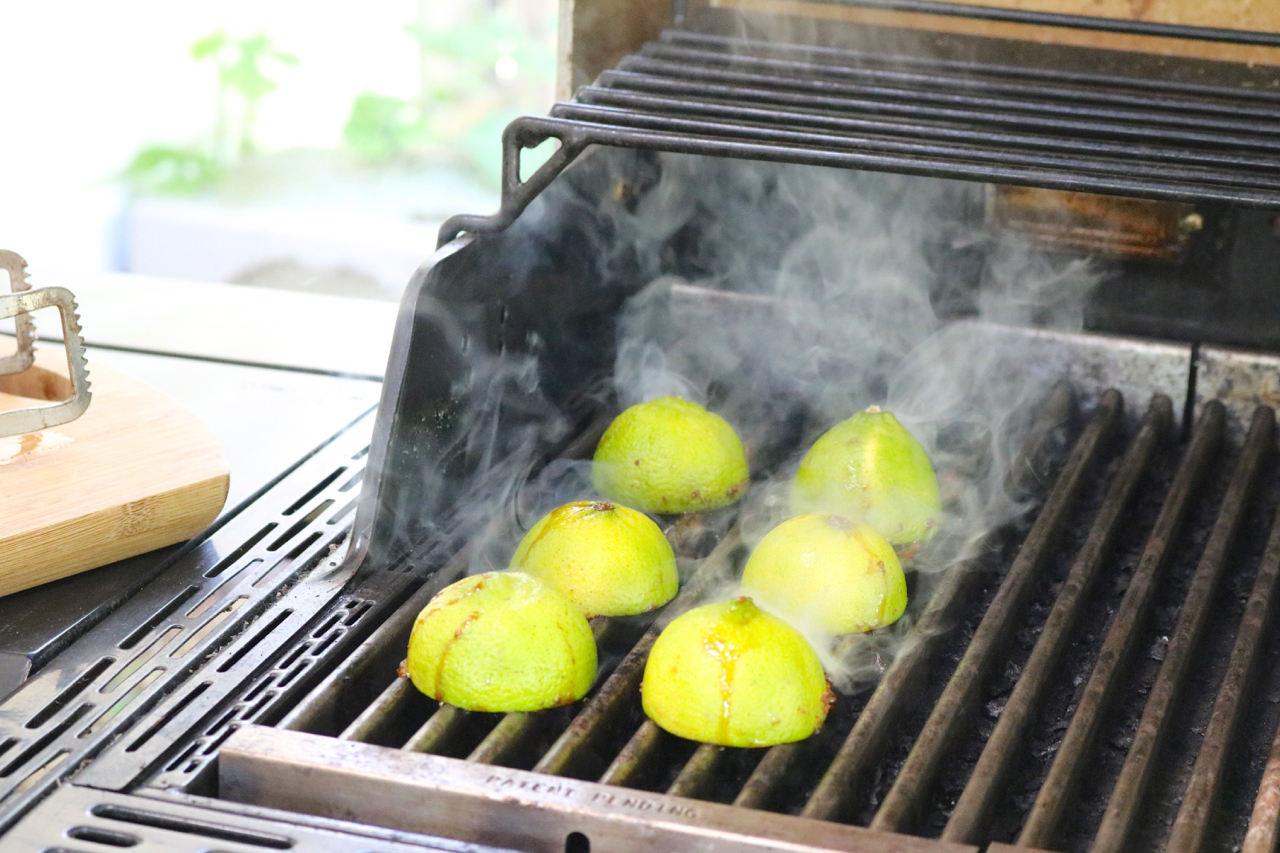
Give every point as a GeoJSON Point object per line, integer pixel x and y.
{"type": "Point", "coordinates": [1097, 668]}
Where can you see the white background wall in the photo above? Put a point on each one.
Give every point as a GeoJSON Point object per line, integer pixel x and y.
{"type": "Point", "coordinates": [84, 85]}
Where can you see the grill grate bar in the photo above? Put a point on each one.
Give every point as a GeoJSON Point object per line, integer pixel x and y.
{"type": "Point", "coordinates": [964, 69]}
{"type": "Point", "coordinates": [985, 784]}
{"type": "Point", "coordinates": [760, 786]}
{"type": "Point", "coordinates": [513, 730]}
{"type": "Point", "coordinates": [1121, 639]}
{"type": "Point", "coordinates": [630, 760]}
{"type": "Point", "coordinates": [625, 679]}
{"type": "Point", "coordinates": [1063, 122]}
{"type": "Point", "coordinates": [375, 719]}
{"type": "Point", "coordinates": [951, 711]}
{"type": "Point", "coordinates": [1082, 106]}
{"type": "Point", "coordinates": [697, 771]}
{"type": "Point", "coordinates": [1037, 92]}
{"type": "Point", "coordinates": [1197, 803]}
{"type": "Point", "coordinates": [1122, 810]}
{"type": "Point", "coordinates": [438, 730]}
{"type": "Point", "coordinates": [791, 125]}
{"type": "Point", "coordinates": [1157, 170]}
{"type": "Point", "coordinates": [1261, 835]}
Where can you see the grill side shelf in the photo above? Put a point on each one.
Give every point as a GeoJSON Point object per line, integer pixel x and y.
{"type": "Point", "coordinates": [119, 694]}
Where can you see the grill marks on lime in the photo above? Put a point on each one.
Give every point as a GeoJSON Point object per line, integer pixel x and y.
{"type": "Point", "coordinates": [669, 455]}
{"type": "Point", "coordinates": [608, 558]}
{"type": "Point", "coordinates": [438, 693]}
{"type": "Point", "coordinates": [501, 642]}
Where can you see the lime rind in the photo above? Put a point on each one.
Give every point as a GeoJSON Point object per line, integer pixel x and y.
{"type": "Point", "coordinates": [871, 469]}
{"type": "Point", "coordinates": [668, 456]}
{"type": "Point", "coordinates": [731, 674]}
{"type": "Point", "coordinates": [502, 642]}
{"type": "Point", "coordinates": [610, 559]}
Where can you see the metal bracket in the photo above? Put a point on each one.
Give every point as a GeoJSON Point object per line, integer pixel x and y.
{"type": "Point", "coordinates": [523, 133]}
{"type": "Point", "coordinates": [25, 329]}
{"type": "Point", "coordinates": [19, 305]}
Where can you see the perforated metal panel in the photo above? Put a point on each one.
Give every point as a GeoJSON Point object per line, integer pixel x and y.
{"type": "Point", "coordinates": [125, 690]}
{"type": "Point", "coordinates": [86, 821]}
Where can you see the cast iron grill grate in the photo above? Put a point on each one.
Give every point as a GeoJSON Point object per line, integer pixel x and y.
{"type": "Point", "coordinates": [1074, 686]}
{"type": "Point", "coordinates": [705, 93]}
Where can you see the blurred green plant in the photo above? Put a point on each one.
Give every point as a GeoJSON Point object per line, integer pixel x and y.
{"type": "Point", "coordinates": [171, 171]}
{"type": "Point", "coordinates": [242, 83]}
{"type": "Point", "coordinates": [381, 127]}
{"type": "Point", "coordinates": [475, 76]}
{"type": "Point", "coordinates": [240, 70]}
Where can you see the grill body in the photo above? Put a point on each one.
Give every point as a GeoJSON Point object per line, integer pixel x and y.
{"type": "Point", "coordinates": [1100, 674]}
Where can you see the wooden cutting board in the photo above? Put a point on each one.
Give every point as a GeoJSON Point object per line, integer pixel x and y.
{"type": "Point", "coordinates": [134, 473]}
